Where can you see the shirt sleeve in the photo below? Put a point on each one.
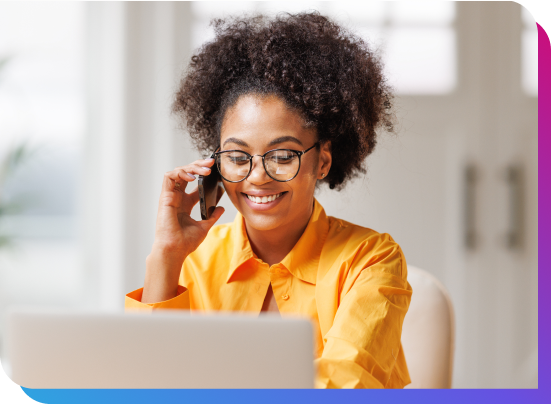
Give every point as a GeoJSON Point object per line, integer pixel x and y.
{"type": "Point", "coordinates": [363, 346]}
{"type": "Point", "coordinates": [133, 301]}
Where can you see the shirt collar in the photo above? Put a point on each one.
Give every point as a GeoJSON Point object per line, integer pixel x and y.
{"type": "Point", "coordinates": [302, 261]}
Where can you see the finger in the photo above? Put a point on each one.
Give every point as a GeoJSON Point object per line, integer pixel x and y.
{"type": "Point", "coordinates": [184, 176]}
{"type": "Point", "coordinates": [175, 181]}
{"type": "Point", "coordinates": [216, 213]}
{"type": "Point", "coordinates": [180, 175]}
{"type": "Point", "coordinates": [187, 174]}
{"type": "Point", "coordinates": [191, 171]}
{"type": "Point", "coordinates": [198, 163]}
{"type": "Point", "coordinates": [209, 161]}
{"type": "Point", "coordinates": [169, 182]}
{"type": "Point", "coordinates": [200, 170]}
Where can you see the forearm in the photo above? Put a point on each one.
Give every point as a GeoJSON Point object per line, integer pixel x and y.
{"type": "Point", "coordinates": [161, 275]}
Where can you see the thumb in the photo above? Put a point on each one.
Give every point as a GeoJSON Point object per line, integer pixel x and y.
{"type": "Point", "coordinates": [216, 213]}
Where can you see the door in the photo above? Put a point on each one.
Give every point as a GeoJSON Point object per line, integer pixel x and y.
{"type": "Point", "coordinates": [456, 187]}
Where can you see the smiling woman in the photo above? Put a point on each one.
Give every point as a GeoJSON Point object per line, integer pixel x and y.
{"type": "Point", "coordinates": [285, 105]}
{"type": "Point", "coordinates": [256, 125]}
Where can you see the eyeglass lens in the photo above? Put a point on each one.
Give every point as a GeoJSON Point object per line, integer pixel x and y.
{"type": "Point", "coordinates": [281, 165]}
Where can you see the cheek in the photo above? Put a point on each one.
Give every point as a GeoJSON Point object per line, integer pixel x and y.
{"type": "Point", "coordinates": [309, 171]}
{"type": "Point", "coordinates": [305, 182]}
{"type": "Point", "coordinates": [234, 194]}
{"type": "Point", "coordinates": [231, 190]}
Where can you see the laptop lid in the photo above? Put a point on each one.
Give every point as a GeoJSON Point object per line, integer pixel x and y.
{"type": "Point", "coordinates": [55, 349]}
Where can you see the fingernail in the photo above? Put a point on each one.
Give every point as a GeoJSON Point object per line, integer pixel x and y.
{"type": "Point", "coordinates": [192, 176]}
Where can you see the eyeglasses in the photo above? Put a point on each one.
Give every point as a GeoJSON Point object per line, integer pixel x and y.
{"type": "Point", "coordinates": [280, 164]}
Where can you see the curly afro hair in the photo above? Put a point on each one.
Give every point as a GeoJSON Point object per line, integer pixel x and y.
{"type": "Point", "coordinates": [329, 76]}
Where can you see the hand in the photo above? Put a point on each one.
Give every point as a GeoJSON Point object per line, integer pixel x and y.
{"type": "Point", "coordinates": [175, 230]}
{"type": "Point", "coordinates": [176, 234]}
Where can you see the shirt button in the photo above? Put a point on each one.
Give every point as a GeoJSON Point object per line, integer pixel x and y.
{"type": "Point", "coordinates": [285, 297]}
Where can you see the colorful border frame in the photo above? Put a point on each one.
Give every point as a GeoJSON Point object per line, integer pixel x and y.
{"type": "Point", "coordinates": [540, 395]}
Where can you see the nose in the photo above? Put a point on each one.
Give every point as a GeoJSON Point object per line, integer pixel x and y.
{"type": "Point", "coordinates": [258, 175]}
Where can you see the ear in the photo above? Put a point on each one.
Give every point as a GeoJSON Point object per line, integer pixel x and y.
{"type": "Point", "coordinates": [325, 159]}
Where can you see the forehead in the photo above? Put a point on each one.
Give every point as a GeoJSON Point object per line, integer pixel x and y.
{"type": "Point", "coordinates": [259, 119]}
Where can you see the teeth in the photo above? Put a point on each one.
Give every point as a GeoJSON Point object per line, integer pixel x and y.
{"type": "Point", "coordinates": [264, 199]}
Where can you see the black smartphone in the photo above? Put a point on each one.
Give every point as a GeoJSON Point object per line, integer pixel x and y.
{"type": "Point", "coordinates": [210, 191]}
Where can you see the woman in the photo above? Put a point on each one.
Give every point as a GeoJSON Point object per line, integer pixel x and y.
{"type": "Point", "coordinates": [287, 104]}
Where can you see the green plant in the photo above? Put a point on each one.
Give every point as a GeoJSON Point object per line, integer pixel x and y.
{"type": "Point", "coordinates": [9, 164]}
{"type": "Point", "coordinates": [12, 161]}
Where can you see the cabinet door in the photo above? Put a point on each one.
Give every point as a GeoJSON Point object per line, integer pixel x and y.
{"type": "Point", "coordinates": [456, 187]}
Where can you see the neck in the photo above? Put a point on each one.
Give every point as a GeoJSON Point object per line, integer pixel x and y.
{"type": "Point", "coordinates": [271, 246]}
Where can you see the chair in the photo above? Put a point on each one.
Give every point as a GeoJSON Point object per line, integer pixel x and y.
{"type": "Point", "coordinates": [428, 333]}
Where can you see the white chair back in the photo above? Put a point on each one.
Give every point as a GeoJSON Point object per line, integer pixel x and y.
{"type": "Point", "coordinates": [428, 332]}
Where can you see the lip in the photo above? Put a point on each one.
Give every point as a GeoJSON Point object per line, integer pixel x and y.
{"type": "Point", "coordinates": [262, 193]}
{"type": "Point", "coordinates": [262, 206]}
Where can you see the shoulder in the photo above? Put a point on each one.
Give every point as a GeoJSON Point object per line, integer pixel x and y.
{"type": "Point", "coordinates": [352, 248]}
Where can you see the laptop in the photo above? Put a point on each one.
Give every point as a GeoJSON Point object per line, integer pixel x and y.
{"type": "Point", "coordinates": [61, 349]}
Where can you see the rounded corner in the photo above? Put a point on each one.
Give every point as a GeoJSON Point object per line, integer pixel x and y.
{"type": "Point", "coordinates": [526, 10]}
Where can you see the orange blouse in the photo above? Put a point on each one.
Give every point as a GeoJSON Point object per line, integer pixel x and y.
{"type": "Point", "coordinates": [349, 280]}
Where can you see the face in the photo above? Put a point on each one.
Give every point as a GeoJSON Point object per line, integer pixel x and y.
{"type": "Point", "coordinates": [259, 124]}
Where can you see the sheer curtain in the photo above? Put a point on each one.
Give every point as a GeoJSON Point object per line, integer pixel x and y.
{"type": "Point", "coordinates": [42, 114]}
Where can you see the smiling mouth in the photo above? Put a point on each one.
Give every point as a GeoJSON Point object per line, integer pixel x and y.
{"type": "Point", "coordinates": [264, 199]}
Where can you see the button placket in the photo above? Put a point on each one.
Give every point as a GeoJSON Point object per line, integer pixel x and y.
{"type": "Point", "coordinates": [278, 273]}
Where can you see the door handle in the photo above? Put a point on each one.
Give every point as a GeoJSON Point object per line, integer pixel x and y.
{"type": "Point", "coordinates": [514, 177]}
{"type": "Point", "coordinates": [471, 177]}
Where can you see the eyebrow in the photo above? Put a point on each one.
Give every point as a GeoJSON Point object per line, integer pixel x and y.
{"type": "Point", "coordinates": [236, 141]}
{"type": "Point", "coordinates": [275, 141]}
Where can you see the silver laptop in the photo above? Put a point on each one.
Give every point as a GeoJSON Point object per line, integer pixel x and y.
{"type": "Point", "coordinates": [54, 349]}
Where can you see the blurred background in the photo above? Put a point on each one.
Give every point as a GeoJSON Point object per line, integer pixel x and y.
{"type": "Point", "coordinates": [86, 135]}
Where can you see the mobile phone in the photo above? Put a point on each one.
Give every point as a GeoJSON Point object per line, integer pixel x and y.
{"type": "Point", "coordinates": [210, 191]}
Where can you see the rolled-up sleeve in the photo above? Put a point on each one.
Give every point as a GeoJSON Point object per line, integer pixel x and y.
{"type": "Point", "coordinates": [133, 301]}
{"type": "Point", "coordinates": [363, 346]}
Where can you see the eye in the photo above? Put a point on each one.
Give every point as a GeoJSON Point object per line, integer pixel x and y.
{"type": "Point", "coordinates": [283, 157]}
{"type": "Point", "coordinates": [235, 158]}
{"type": "Point", "coordinates": [238, 159]}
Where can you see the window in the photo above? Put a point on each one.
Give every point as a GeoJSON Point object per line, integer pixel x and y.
{"type": "Point", "coordinates": [417, 39]}
{"type": "Point", "coordinates": [41, 103]}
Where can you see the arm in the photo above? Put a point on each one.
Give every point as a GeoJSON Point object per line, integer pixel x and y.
{"type": "Point", "coordinates": [176, 236]}
{"type": "Point", "coordinates": [362, 348]}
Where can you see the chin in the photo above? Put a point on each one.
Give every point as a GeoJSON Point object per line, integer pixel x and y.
{"type": "Point", "coordinates": [263, 222]}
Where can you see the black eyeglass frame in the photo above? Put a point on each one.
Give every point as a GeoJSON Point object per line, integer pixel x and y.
{"type": "Point", "coordinates": [298, 152]}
